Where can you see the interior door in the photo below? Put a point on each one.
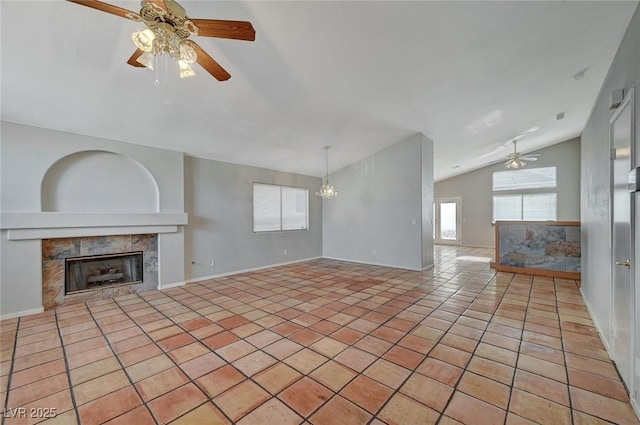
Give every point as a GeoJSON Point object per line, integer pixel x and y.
{"type": "Point", "coordinates": [623, 291]}
{"type": "Point", "coordinates": [447, 221]}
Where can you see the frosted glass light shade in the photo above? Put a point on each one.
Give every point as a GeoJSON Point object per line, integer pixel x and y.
{"type": "Point", "coordinates": [185, 69]}
{"type": "Point", "coordinates": [146, 59]}
{"type": "Point", "coordinates": [143, 40]}
{"type": "Point", "coordinates": [187, 54]}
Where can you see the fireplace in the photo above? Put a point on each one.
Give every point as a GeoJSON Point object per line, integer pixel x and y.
{"type": "Point", "coordinates": [77, 270]}
{"type": "Point", "coordinates": [97, 271]}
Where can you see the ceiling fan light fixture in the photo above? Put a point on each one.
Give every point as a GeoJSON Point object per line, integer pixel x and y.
{"type": "Point", "coordinates": [144, 40]}
{"type": "Point", "coordinates": [327, 191]}
{"type": "Point", "coordinates": [185, 69]}
{"type": "Point", "coordinates": [147, 59]}
{"type": "Point", "coordinates": [516, 159]}
{"type": "Point", "coordinates": [515, 163]}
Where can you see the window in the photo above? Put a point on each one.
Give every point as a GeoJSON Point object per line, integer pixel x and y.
{"type": "Point", "coordinates": [529, 200]}
{"type": "Point", "coordinates": [532, 178]}
{"type": "Point", "coordinates": [277, 208]}
{"type": "Point", "coordinates": [533, 207]}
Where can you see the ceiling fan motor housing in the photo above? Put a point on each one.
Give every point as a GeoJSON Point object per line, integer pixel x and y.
{"type": "Point", "coordinates": [173, 19]}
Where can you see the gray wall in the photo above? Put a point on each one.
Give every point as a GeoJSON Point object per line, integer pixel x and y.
{"type": "Point", "coordinates": [596, 195]}
{"type": "Point", "coordinates": [219, 201]}
{"type": "Point", "coordinates": [380, 208]}
{"type": "Point", "coordinates": [475, 190]}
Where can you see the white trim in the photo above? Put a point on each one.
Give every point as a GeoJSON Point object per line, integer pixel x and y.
{"type": "Point", "coordinates": [595, 322]}
{"type": "Point", "coordinates": [48, 220]}
{"type": "Point", "coordinates": [628, 101]}
{"type": "Point", "coordinates": [379, 264]}
{"type": "Point", "coordinates": [170, 285]}
{"type": "Point", "coordinates": [635, 406]}
{"type": "Point", "coordinates": [252, 269]}
{"type": "Point", "coordinates": [21, 313]}
{"type": "Point", "coordinates": [80, 232]}
{"type": "Point", "coordinates": [467, 246]}
{"type": "Point", "coordinates": [436, 218]}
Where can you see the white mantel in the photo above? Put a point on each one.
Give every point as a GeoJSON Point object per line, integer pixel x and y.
{"type": "Point", "coordinates": [46, 225]}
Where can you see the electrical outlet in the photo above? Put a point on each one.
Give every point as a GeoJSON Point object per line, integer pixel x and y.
{"type": "Point", "coordinates": [285, 252]}
{"type": "Point", "coordinates": [374, 252]}
{"type": "Point", "coordinates": [212, 263]}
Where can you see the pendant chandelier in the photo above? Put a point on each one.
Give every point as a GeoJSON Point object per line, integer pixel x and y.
{"type": "Point", "coordinates": [327, 191]}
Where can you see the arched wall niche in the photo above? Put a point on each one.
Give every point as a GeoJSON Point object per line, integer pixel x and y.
{"type": "Point", "coordinates": [99, 182]}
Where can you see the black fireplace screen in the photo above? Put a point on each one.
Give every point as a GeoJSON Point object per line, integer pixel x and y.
{"type": "Point", "coordinates": [98, 271]}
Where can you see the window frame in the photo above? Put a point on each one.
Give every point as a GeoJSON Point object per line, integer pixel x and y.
{"type": "Point", "coordinates": [280, 187]}
{"type": "Point", "coordinates": [522, 201]}
{"type": "Point", "coordinates": [545, 188]}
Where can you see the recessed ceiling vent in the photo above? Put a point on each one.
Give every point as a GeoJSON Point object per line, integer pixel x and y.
{"type": "Point", "coordinates": [559, 116]}
{"type": "Point", "coordinates": [580, 74]}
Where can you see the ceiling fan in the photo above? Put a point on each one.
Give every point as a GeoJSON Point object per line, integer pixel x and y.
{"type": "Point", "coordinates": [519, 160]}
{"type": "Point", "coordinates": [168, 31]}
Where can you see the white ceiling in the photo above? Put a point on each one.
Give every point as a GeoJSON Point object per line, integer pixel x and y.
{"type": "Point", "coordinates": [359, 76]}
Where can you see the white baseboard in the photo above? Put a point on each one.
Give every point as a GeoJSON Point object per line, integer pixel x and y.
{"type": "Point", "coordinates": [170, 285]}
{"type": "Point", "coordinates": [21, 313]}
{"type": "Point", "coordinates": [633, 401]}
{"type": "Point", "coordinates": [595, 322]}
{"type": "Point", "coordinates": [252, 269]}
{"type": "Point", "coordinates": [634, 405]}
{"type": "Point", "coordinates": [393, 266]}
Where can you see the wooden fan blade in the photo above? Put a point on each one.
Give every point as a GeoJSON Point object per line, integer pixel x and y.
{"type": "Point", "coordinates": [106, 7]}
{"type": "Point", "coordinates": [132, 60]}
{"type": "Point", "coordinates": [236, 30]}
{"type": "Point", "coordinates": [208, 63]}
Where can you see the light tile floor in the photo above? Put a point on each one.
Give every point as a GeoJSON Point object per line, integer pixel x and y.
{"type": "Point", "coordinates": [320, 342]}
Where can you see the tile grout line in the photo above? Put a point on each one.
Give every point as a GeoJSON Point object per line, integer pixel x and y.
{"type": "Point", "coordinates": [465, 369]}
{"type": "Point", "coordinates": [564, 354]}
{"type": "Point", "coordinates": [119, 362]}
{"type": "Point", "coordinates": [192, 380]}
{"type": "Point", "coordinates": [412, 371]}
{"type": "Point", "coordinates": [68, 369]}
{"type": "Point", "coordinates": [10, 378]}
{"type": "Point", "coordinates": [515, 371]}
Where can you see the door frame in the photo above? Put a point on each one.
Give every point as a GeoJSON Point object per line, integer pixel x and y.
{"type": "Point", "coordinates": [436, 220]}
{"type": "Point", "coordinates": [629, 102]}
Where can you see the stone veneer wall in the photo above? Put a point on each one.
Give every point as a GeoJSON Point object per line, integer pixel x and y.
{"type": "Point", "coordinates": [54, 252]}
{"type": "Point", "coordinates": [540, 246]}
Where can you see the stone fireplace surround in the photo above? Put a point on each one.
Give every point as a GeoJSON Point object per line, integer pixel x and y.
{"type": "Point", "coordinates": [55, 251]}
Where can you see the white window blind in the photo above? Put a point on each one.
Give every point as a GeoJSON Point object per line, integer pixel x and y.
{"type": "Point", "coordinates": [294, 208]}
{"type": "Point", "coordinates": [528, 207]}
{"type": "Point", "coordinates": [278, 208]}
{"type": "Point", "coordinates": [528, 178]}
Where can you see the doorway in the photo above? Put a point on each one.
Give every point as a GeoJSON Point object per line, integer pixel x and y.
{"type": "Point", "coordinates": [622, 242]}
{"type": "Point", "coordinates": [447, 222]}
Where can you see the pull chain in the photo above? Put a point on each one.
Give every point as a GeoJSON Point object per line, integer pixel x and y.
{"type": "Point", "coordinates": [166, 77]}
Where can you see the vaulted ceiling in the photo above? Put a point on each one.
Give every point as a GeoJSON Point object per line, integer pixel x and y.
{"type": "Point", "coordinates": [359, 76]}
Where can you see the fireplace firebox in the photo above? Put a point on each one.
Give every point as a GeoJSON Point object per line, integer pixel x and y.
{"type": "Point", "coordinates": [100, 271]}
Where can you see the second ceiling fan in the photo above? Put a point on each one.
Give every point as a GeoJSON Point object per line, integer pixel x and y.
{"type": "Point", "coordinates": [519, 160]}
{"type": "Point", "coordinates": [168, 31]}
